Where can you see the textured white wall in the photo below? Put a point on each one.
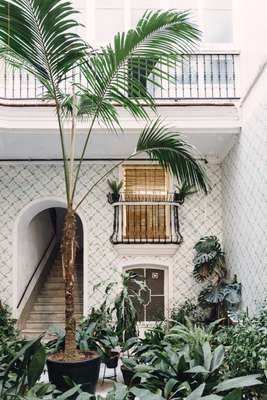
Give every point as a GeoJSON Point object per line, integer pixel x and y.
{"type": "Point", "coordinates": [32, 244]}
{"type": "Point", "coordinates": [21, 184]}
{"type": "Point", "coordinates": [245, 200]}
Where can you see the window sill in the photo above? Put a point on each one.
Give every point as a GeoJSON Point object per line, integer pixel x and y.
{"type": "Point", "coordinates": [146, 249]}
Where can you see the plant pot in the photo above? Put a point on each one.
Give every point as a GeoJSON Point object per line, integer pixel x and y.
{"type": "Point", "coordinates": [177, 198]}
{"type": "Point", "coordinates": [128, 377]}
{"type": "Point", "coordinates": [84, 373]}
{"type": "Point", "coordinates": [113, 359]}
{"type": "Point", "coordinates": [113, 197]}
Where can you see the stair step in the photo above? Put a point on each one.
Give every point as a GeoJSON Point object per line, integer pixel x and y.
{"type": "Point", "coordinates": [57, 292]}
{"type": "Point", "coordinates": [48, 316]}
{"type": "Point", "coordinates": [57, 285]}
{"type": "Point", "coordinates": [49, 308]}
{"type": "Point", "coordinates": [43, 307]}
{"type": "Point", "coordinates": [44, 298]}
{"type": "Point", "coordinates": [43, 326]}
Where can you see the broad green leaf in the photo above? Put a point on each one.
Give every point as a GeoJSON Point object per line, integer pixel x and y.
{"type": "Point", "coordinates": [36, 366]}
{"type": "Point", "coordinates": [207, 355]}
{"type": "Point", "coordinates": [241, 382]}
{"type": "Point", "coordinates": [198, 369]}
{"type": "Point", "coordinates": [144, 394]}
{"type": "Point", "coordinates": [169, 386]}
{"type": "Point", "coordinates": [234, 395]}
{"type": "Point", "coordinates": [217, 359]}
{"type": "Point", "coordinates": [197, 393]}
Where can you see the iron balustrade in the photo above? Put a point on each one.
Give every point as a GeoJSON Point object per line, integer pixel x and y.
{"type": "Point", "coordinates": [145, 218]}
{"type": "Point", "coordinates": [193, 77]}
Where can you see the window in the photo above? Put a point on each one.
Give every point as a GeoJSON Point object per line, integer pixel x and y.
{"type": "Point", "coordinates": [146, 184]}
{"type": "Point", "coordinates": [153, 296]}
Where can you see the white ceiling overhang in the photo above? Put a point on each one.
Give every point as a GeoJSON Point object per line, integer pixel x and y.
{"type": "Point", "coordinates": [28, 133]}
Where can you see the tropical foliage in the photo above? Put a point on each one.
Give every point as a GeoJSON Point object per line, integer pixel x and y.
{"type": "Point", "coordinates": [39, 36]}
{"type": "Point", "coordinates": [219, 295]}
{"type": "Point", "coordinates": [246, 346]}
{"type": "Point", "coordinates": [183, 365]}
{"type": "Point", "coordinates": [209, 261]}
{"type": "Point", "coordinates": [125, 305]}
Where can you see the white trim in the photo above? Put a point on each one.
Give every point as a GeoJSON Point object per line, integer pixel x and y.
{"type": "Point", "coordinates": [146, 249]}
{"type": "Point", "coordinates": [23, 219]}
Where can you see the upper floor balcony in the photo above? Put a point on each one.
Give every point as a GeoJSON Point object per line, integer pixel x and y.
{"type": "Point", "coordinates": [200, 77]}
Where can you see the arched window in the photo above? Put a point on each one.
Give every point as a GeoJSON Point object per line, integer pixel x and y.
{"type": "Point", "coordinates": [153, 296]}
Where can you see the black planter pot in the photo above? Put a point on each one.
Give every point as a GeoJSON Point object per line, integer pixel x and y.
{"type": "Point", "coordinates": [178, 198]}
{"type": "Point", "coordinates": [112, 361]}
{"type": "Point", "coordinates": [84, 373]}
{"type": "Point", "coordinates": [113, 197]}
{"type": "Point", "coordinates": [128, 377]}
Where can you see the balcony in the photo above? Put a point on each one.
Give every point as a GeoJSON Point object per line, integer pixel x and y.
{"type": "Point", "coordinates": [145, 223]}
{"type": "Point", "coordinates": [200, 77]}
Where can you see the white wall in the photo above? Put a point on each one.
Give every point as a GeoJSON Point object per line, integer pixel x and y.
{"type": "Point", "coordinates": [33, 242]}
{"type": "Point", "coordinates": [250, 31]}
{"type": "Point", "coordinates": [245, 199]}
{"type": "Point", "coordinates": [104, 18]}
{"type": "Point", "coordinates": [199, 216]}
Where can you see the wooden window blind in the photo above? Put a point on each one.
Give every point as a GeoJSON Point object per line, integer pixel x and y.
{"type": "Point", "coordinates": [145, 183]}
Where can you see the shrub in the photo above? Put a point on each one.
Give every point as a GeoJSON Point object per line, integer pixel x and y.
{"type": "Point", "coordinates": [7, 323]}
{"type": "Point", "coordinates": [246, 345]}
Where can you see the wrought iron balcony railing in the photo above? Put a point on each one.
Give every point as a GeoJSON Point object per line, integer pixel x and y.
{"type": "Point", "coordinates": [194, 77]}
{"type": "Point", "coordinates": [145, 218]}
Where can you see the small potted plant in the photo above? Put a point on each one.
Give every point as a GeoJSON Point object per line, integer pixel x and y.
{"type": "Point", "coordinates": [115, 188]}
{"type": "Point", "coordinates": [109, 348]}
{"type": "Point", "coordinates": [183, 191]}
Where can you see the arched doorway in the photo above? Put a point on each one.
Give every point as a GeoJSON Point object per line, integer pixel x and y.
{"type": "Point", "coordinates": [37, 235]}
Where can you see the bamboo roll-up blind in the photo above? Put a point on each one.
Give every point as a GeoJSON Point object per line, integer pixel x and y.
{"type": "Point", "coordinates": [145, 183]}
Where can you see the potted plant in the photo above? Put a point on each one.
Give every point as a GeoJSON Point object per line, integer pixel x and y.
{"type": "Point", "coordinates": [183, 191]}
{"type": "Point", "coordinates": [48, 47]}
{"type": "Point", "coordinates": [115, 188]}
{"type": "Point", "coordinates": [109, 348]}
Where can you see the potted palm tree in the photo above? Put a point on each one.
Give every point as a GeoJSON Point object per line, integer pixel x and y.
{"type": "Point", "coordinates": [39, 36]}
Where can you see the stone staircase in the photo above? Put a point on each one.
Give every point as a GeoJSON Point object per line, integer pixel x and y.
{"type": "Point", "coordinates": [48, 308]}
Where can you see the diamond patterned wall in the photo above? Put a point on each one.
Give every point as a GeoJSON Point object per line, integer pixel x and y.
{"type": "Point", "coordinates": [23, 183]}
{"type": "Point", "coordinates": [245, 201]}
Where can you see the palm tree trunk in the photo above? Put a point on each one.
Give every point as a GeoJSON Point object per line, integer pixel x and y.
{"type": "Point", "coordinates": [68, 249]}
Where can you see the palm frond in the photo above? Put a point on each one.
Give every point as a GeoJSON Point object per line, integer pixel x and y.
{"type": "Point", "coordinates": [119, 72]}
{"type": "Point", "coordinates": [37, 35]}
{"type": "Point", "coordinates": [166, 146]}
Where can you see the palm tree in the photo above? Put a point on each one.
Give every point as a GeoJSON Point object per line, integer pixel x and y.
{"type": "Point", "coordinates": [38, 37]}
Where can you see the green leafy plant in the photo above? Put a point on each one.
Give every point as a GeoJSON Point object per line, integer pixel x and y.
{"type": "Point", "coordinates": [246, 346]}
{"type": "Point", "coordinates": [181, 313]}
{"type": "Point", "coordinates": [209, 266]}
{"type": "Point", "coordinates": [39, 37]}
{"type": "Point", "coordinates": [179, 376]}
{"type": "Point", "coordinates": [115, 186]}
{"type": "Point", "coordinates": [20, 377]}
{"type": "Point", "coordinates": [209, 261]}
{"type": "Point", "coordinates": [125, 306]}
{"type": "Point", "coordinates": [7, 323]}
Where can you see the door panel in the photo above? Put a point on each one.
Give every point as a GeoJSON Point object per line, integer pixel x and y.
{"type": "Point", "coordinates": [153, 306]}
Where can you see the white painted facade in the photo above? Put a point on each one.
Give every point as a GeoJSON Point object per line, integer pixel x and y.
{"type": "Point", "coordinates": [232, 136]}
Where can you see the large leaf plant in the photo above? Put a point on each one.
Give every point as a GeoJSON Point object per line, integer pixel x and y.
{"type": "Point", "coordinates": [39, 36]}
